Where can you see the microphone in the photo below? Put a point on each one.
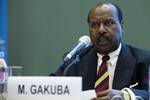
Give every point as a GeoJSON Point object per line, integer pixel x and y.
{"type": "Point", "coordinates": [84, 41]}
{"type": "Point", "coordinates": [67, 62]}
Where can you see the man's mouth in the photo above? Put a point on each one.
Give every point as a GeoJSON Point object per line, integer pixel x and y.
{"type": "Point", "coordinates": [102, 40]}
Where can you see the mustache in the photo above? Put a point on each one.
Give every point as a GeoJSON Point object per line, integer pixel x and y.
{"type": "Point", "coordinates": [100, 37]}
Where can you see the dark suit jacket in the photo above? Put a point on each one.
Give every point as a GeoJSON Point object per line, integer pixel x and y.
{"type": "Point", "coordinates": [131, 68]}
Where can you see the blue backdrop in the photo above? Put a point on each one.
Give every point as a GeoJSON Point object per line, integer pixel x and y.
{"type": "Point", "coordinates": [3, 29]}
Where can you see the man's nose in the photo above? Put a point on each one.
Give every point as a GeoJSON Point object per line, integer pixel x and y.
{"type": "Point", "coordinates": [102, 28]}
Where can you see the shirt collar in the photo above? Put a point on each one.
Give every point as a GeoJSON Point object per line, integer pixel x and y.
{"type": "Point", "coordinates": [113, 55]}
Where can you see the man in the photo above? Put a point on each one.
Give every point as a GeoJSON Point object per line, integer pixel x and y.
{"type": "Point", "coordinates": [127, 66]}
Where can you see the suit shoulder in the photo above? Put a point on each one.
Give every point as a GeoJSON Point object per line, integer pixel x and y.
{"type": "Point", "coordinates": [139, 50]}
{"type": "Point", "coordinates": [84, 51]}
{"type": "Point", "coordinates": [139, 53]}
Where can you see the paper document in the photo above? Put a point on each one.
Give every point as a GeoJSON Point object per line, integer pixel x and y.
{"type": "Point", "coordinates": [88, 95]}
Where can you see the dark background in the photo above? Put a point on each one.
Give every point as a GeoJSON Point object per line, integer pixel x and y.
{"type": "Point", "coordinates": [40, 31]}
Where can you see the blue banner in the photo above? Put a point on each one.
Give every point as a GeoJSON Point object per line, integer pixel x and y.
{"type": "Point", "coordinates": [3, 29]}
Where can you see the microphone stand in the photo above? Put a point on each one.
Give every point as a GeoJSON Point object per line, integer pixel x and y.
{"type": "Point", "coordinates": [65, 65]}
{"type": "Point", "coordinates": [73, 62]}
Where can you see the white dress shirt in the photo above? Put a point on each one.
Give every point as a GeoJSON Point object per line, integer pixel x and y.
{"type": "Point", "coordinates": [111, 64]}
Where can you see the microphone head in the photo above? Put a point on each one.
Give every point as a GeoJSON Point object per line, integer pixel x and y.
{"type": "Point", "coordinates": [86, 40]}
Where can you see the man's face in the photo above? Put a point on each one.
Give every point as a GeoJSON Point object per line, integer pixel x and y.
{"type": "Point", "coordinates": [105, 29]}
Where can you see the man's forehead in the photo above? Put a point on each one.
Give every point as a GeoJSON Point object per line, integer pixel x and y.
{"type": "Point", "coordinates": [106, 7]}
{"type": "Point", "coordinates": [104, 11]}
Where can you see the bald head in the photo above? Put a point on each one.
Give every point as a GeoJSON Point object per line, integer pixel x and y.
{"type": "Point", "coordinates": [107, 6]}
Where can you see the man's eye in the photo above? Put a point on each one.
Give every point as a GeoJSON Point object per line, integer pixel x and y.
{"type": "Point", "coordinates": [94, 25]}
{"type": "Point", "coordinates": [109, 23]}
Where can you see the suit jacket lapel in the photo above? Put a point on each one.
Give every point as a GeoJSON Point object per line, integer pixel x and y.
{"type": "Point", "coordinates": [88, 67]}
{"type": "Point", "coordinates": [124, 68]}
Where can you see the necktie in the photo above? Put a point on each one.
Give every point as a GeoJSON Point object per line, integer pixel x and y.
{"type": "Point", "coordinates": [102, 81]}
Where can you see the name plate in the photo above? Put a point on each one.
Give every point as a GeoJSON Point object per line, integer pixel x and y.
{"type": "Point", "coordinates": [44, 88]}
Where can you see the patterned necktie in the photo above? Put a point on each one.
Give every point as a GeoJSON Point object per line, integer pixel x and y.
{"type": "Point", "coordinates": [102, 82]}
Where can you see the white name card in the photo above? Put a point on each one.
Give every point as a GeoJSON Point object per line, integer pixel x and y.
{"type": "Point", "coordinates": [44, 88]}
